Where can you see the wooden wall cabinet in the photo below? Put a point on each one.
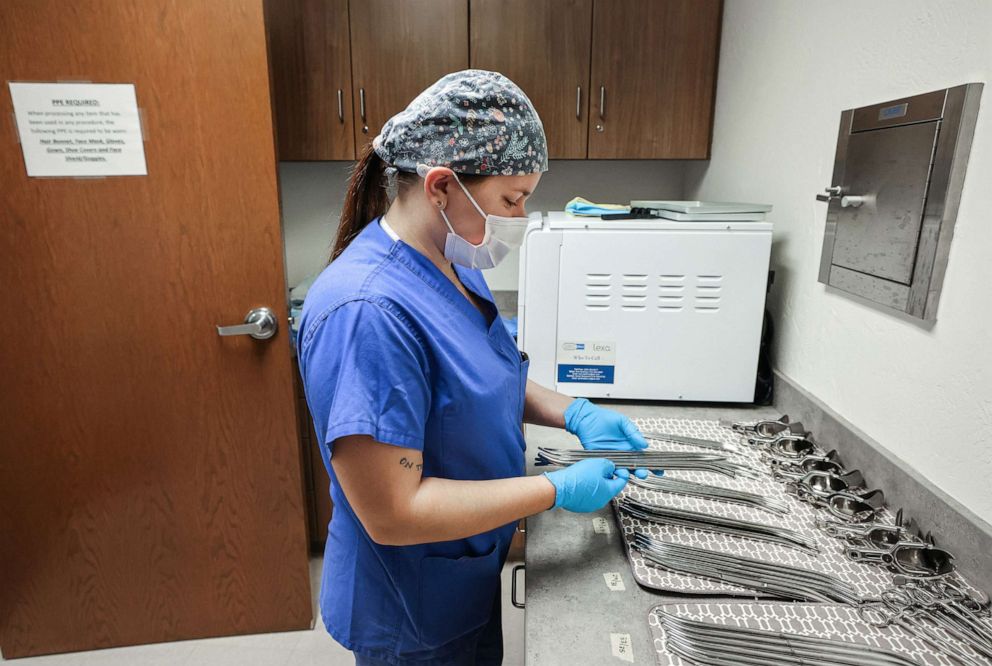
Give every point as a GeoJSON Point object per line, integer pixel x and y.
{"type": "Point", "coordinates": [543, 47]}
{"type": "Point", "coordinates": [611, 79]}
{"type": "Point", "coordinates": [310, 68]}
{"type": "Point", "coordinates": [654, 68]}
{"type": "Point", "coordinates": [339, 72]}
{"type": "Point", "coordinates": [398, 48]}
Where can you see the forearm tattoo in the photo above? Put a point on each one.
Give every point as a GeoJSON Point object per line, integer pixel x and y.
{"type": "Point", "coordinates": [411, 464]}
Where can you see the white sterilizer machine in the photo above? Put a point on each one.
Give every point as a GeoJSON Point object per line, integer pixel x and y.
{"type": "Point", "coordinates": [649, 309]}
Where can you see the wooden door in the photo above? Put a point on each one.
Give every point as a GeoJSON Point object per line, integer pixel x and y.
{"type": "Point", "coordinates": [310, 54]}
{"type": "Point", "coordinates": [150, 478]}
{"type": "Point", "coordinates": [397, 50]}
{"type": "Point", "coordinates": [653, 78]}
{"type": "Point", "coordinates": [543, 46]}
{"type": "Point", "coordinates": [317, 481]}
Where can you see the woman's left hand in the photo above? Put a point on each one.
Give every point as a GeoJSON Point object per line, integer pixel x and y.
{"type": "Point", "coordinates": [601, 429]}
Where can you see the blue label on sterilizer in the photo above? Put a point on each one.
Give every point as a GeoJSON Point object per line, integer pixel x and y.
{"type": "Point", "coordinates": [585, 374]}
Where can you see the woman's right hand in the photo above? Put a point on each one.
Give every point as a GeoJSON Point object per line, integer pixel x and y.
{"type": "Point", "coordinates": [588, 485]}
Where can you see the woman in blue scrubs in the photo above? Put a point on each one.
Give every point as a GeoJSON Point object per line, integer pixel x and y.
{"type": "Point", "coordinates": [418, 393]}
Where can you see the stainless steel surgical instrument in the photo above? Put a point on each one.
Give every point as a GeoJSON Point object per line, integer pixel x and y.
{"type": "Point", "coordinates": [719, 493]}
{"type": "Point", "coordinates": [784, 581]}
{"type": "Point", "coordinates": [703, 521]}
{"type": "Point", "coordinates": [690, 441]}
{"type": "Point", "coordinates": [901, 608]}
{"type": "Point", "coordinates": [708, 643]}
{"type": "Point", "coordinates": [768, 428]}
{"type": "Point", "coordinates": [652, 460]}
{"type": "Point", "coordinates": [918, 560]}
{"type": "Point", "coordinates": [853, 508]}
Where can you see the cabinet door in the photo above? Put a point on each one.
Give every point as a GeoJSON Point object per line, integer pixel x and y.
{"type": "Point", "coordinates": [654, 77]}
{"type": "Point", "coordinates": [397, 50]}
{"type": "Point", "coordinates": [543, 46]}
{"type": "Point", "coordinates": [310, 60]}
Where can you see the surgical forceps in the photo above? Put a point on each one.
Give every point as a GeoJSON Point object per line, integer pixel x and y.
{"type": "Point", "coordinates": [899, 608]}
{"type": "Point", "coordinates": [654, 460]}
{"type": "Point", "coordinates": [703, 521]}
{"type": "Point", "coordinates": [689, 441]}
{"type": "Point", "coordinates": [965, 624]}
{"type": "Point", "coordinates": [712, 644]}
{"type": "Point", "coordinates": [702, 490]}
{"type": "Point", "coordinates": [785, 581]}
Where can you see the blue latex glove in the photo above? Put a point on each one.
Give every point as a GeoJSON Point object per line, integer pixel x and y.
{"type": "Point", "coordinates": [600, 429]}
{"type": "Point", "coordinates": [588, 485]}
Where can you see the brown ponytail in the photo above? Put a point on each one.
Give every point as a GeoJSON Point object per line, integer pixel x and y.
{"type": "Point", "coordinates": [366, 199]}
{"type": "Point", "coordinates": [368, 196]}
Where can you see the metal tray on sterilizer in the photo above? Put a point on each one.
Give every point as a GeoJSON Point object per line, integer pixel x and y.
{"type": "Point", "coordinates": [691, 207]}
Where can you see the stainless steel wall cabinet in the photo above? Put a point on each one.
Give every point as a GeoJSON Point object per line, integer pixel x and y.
{"type": "Point", "coordinates": [898, 174]}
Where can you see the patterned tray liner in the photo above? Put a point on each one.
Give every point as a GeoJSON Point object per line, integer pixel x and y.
{"type": "Point", "coordinates": [823, 620]}
{"type": "Point", "coordinates": [868, 580]}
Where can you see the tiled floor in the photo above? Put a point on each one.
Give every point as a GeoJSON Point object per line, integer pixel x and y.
{"type": "Point", "coordinates": [297, 648]}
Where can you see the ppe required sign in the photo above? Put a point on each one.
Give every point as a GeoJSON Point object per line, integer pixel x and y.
{"type": "Point", "coordinates": [79, 129]}
{"type": "Point", "coordinates": [586, 361]}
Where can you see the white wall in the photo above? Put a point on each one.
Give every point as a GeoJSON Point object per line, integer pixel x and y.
{"type": "Point", "coordinates": [787, 70]}
{"type": "Point", "coordinates": [312, 194]}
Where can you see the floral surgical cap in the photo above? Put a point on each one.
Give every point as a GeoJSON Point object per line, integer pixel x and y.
{"type": "Point", "coordinates": [473, 122]}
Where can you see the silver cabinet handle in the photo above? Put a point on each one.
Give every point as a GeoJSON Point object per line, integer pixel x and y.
{"type": "Point", "coordinates": [513, 586]}
{"type": "Point", "coordinates": [578, 102]}
{"type": "Point", "coordinates": [602, 102]}
{"type": "Point", "coordinates": [361, 102]}
{"type": "Point", "coordinates": [832, 192]}
{"type": "Point", "coordinates": [340, 105]}
{"type": "Point", "coordinates": [260, 324]}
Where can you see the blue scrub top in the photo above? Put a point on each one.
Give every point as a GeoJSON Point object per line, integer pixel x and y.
{"type": "Point", "coordinates": [388, 347]}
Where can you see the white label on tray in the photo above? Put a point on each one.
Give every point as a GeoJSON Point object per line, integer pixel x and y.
{"type": "Point", "coordinates": [601, 525]}
{"type": "Point", "coordinates": [622, 649]}
{"type": "Point", "coordinates": [614, 581]}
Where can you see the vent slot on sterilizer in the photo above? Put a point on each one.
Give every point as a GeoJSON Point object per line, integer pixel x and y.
{"type": "Point", "coordinates": [598, 291]}
{"type": "Point", "coordinates": [709, 289]}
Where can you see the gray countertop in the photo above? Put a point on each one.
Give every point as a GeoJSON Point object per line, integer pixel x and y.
{"type": "Point", "coordinates": [570, 610]}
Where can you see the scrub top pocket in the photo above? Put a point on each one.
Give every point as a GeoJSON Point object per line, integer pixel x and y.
{"type": "Point", "coordinates": [456, 595]}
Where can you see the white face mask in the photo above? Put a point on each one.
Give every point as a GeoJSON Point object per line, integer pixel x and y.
{"type": "Point", "coordinates": [502, 235]}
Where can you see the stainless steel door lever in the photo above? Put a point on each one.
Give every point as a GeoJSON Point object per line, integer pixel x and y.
{"type": "Point", "coordinates": [260, 324]}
